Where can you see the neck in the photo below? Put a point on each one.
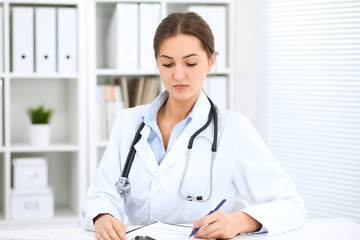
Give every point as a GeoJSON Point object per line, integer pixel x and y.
{"type": "Point", "coordinates": [178, 110]}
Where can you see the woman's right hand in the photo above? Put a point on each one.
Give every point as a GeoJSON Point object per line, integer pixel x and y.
{"type": "Point", "coordinates": [107, 227]}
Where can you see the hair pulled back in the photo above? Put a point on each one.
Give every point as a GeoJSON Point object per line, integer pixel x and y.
{"type": "Point", "coordinates": [188, 23]}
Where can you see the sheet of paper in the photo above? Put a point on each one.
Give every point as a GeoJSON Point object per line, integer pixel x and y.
{"type": "Point", "coordinates": [162, 231]}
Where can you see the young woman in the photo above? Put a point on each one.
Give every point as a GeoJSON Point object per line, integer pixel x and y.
{"type": "Point", "coordinates": [176, 176]}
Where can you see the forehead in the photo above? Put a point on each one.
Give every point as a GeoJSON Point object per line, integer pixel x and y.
{"type": "Point", "coordinates": [181, 45]}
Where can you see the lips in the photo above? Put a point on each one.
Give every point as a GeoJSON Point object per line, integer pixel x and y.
{"type": "Point", "coordinates": [180, 86]}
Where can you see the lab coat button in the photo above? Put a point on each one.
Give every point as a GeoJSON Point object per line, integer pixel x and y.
{"type": "Point", "coordinates": [158, 192]}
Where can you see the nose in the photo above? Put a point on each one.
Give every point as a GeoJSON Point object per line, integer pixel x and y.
{"type": "Point", "coordinates": [179, 73]}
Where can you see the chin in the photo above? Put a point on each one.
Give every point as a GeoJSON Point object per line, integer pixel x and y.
{"type": "Point", "coordinates": [184, 96]}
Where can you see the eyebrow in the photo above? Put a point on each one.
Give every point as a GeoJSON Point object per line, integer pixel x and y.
{"type": "Point", "coordinates": [187, 56]}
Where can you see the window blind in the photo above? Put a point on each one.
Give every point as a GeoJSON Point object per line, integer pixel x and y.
{"type": "Point", "coordinates": [310, 99]}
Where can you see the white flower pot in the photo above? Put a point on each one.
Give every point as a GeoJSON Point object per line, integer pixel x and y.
{"type": "Point", "coordinates": [40, 134]}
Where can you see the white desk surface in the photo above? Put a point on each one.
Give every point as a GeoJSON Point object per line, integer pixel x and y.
{"type": "Point", "coordinates": [314, 229]}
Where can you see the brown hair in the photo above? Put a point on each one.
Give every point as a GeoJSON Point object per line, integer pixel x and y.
{"type": "Point", "coordinates": [189, 23]}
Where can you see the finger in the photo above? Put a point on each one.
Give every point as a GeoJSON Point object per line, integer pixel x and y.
{"type": "Point", "coordinates": [102, 235]}
{"type": "Point", "coordinates": [206, 231]}
{"type": "Point", "coordinates": [214, 229]}
{"type": "Point", "coordinates": [120, 229]}
{"type": "Point", "coordinates": [206, 220]}
{"type": "Point", "coordinates": [214, 235]}
{"type": "Point", "coordinates": [98, 236]}
{"type": "Point", "coordinates": [113, 234]}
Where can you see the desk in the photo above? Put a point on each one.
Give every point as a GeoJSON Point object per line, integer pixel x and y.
{"type": "Point", "coordinates": [314, 229]}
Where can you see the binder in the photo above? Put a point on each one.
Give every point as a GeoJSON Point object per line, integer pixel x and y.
{"type": "Point", "coordinates": [218, 23]}
{"type": "Point", "coordinates": [216, 88]}
{"type": "Point", "coordinates": [67, 40]}
{"type": "Point", "coordinates": [122, 82]}
{"type": "Point", "coordinates": [137, 91]}
{"type": "Point", "coordinates": [149, 20]}
{"type": "Point", "coordinates": [101, 113]}
{"type": "Point", "coordinates": [1, 113]}
{"type": "Point", "coordinates": [22, 40]}
{"type": "Point", "coordinates": [45, 40]}
{"type": "Point", "coordinates": [122, 40]}
{"type": "Point", "coordinates": [216, 17]}
{"type": "Point", "coordinates": [1, 41]}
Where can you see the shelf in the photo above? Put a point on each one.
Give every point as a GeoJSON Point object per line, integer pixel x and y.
{"type": "Point", "coordinates": [115, 72]}
{"type": "Point", "coordinates": [43, 76]}
{"type": "Point", "coordinates": [206, 2]}
{"type": "Point", "coordinates": [2, 222]}
{"type": "Point", "coordinates": [102, 144]}
{"type": "Point", "coordinates": [65, 92]}
{"type": "Point", "coordinates": [63, 217]}
{"type": "Point", "coordinates": [129, 1]}
{"type": "Point", "coordinates": [47, 2]}
{"type": "Point", "coordinates": [56, 147]}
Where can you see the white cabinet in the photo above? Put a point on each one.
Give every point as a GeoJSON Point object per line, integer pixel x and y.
{"type": "Point", "coordinates": [106, 20]}
{"type": "Point", "coordinates": [64, 92]}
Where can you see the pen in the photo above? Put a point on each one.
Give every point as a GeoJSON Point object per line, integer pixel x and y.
{"type": "Point", "coordinates": [217, 208]}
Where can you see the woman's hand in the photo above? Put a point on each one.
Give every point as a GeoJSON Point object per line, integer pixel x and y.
{"type": "Point", "coordinates": [223, 225]}
{"type": "Point", "coordinates": [107, 227]}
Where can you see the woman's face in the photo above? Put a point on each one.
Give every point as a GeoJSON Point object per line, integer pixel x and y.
{"type": "Point", "coordinates": [183, 65]}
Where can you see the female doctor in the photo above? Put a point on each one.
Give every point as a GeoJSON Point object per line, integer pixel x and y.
{"type": "Point", "coordinates": [177, 177]}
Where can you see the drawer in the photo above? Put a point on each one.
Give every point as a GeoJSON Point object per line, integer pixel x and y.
{"type": "Point", "coordinates": [30, 173]}
{"type": "Point", "coordinates": [36, 204]}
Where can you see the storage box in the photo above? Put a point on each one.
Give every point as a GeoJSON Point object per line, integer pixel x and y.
{"type": "Point", "coordinates": [26, 204]}
{"type": "Point", "coordinates": [30, 173]}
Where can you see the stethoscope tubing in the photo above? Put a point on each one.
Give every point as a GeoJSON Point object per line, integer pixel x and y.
{"type": "Point", "coordinates": [131, 155]}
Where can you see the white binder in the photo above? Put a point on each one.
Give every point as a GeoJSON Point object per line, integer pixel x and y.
{"type": "Point", "coordinates": [67, 40]}
{"type": "Point", "coordinates": [216, 17]}
{"type": "Point", "coordinates": [45, 40]}
{"type": "Point", "coordinates": [149, 20]}
{"type": "Point", "coordinates": [22, 39]}
{"type": "Point", "coordinates": [218, 22]}
{"type": "Point", "coordinates": [1, 113]}
{"type": "Point", "coordinates": [216, 89]}
{"type": "Point", "coordinates": [122, 41]}
{"type": "Point", "coordinates": [1, 41]}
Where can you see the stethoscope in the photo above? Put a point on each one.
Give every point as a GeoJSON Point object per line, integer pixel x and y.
{"type": "Point", "coordinates": [123, 186]}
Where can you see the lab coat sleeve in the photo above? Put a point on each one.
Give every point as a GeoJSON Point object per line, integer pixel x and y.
{"type": "Point", "coordinates": [102, 196]}
{"type": "Point", "coordinates": [274, 199]}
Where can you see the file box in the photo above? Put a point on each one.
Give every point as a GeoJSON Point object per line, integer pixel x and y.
{"type": "Point", "coordinates": [26, 204]}
{"type": "Point", "coordinates": [30, 173]}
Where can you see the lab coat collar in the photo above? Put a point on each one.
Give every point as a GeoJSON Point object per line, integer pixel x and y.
{"type": "Point", "coordinates": [145, 153]}
{"type": "Point", "coordinates": [179, 149]}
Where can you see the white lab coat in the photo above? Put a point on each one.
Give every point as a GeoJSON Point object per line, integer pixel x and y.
{"type": "Point", "coordinates": [243, 165]}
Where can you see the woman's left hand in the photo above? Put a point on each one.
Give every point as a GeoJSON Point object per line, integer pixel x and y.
{"type": "Point", "coordinates": [224, 225]}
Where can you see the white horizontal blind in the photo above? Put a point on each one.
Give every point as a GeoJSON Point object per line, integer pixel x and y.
{"type": "Point", "coordinates": [310, 78]}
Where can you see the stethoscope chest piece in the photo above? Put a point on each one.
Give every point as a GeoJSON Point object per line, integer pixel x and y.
{"type": "Point", "coordinates": [123, 187]}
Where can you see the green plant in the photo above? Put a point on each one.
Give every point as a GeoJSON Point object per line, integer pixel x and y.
{"type": "Point", "coordinates": [40, 115]}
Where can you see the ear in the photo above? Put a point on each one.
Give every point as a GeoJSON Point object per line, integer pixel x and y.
{"type": "Point", "coordinates": [211, 62]}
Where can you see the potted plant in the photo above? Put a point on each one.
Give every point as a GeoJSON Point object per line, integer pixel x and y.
{"type": "Point", "coordinates": [40, 125]}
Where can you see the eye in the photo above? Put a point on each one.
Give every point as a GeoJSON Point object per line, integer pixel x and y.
{"type": "Point", "coordinates": [167, 65]}
{"type": "Point", "coordinates": [191, 64]}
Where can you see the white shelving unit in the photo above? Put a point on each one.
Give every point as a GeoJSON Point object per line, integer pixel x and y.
{"type": "Point", "coordinates": [100, 14]}
{"type": "Point", "coordinates": [75, 149]}
{"type": "Point", "coordinates": [66, 154]}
